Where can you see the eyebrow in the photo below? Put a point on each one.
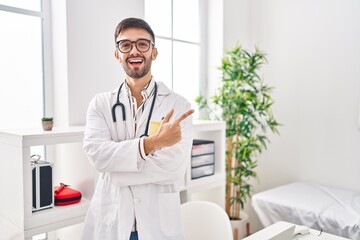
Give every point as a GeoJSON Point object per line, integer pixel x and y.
{"type": "Point", "coordinates": [118, 40]}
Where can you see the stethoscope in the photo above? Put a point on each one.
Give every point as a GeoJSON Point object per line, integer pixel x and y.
{"type": "Point", "coordinates": [118, 103]}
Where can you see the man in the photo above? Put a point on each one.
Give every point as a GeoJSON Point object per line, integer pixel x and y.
{"type": "Point", "coordinates": [139, 138]}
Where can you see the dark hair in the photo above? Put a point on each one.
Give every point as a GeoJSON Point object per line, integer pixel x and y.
{"type": "Point", "coordinates": [133, 23]}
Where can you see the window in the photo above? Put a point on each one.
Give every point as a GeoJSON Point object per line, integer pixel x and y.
{"type": "Point", "coordinates": [179, 27]}
{"type": "Point", "coordinates": [24, 69]}
{"type": "Point", "coordinates": [25, 62]}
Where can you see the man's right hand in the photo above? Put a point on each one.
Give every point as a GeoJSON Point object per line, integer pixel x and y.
{"type": "Point", "coordinates": [168, 134]}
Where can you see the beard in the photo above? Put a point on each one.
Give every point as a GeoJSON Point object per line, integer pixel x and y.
{"type": "Point", "coordinates": [137, 72]}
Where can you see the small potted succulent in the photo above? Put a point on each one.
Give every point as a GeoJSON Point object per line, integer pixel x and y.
{"type": "Point", "coordinates": [47, 123]}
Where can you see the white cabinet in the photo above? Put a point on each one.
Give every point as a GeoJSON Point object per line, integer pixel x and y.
{"type": "Point", "coordinates": [211, 188]}
{"type": "Point", "coordinates": [16, 182]}
{"type": "Point", "coordinates": [16, 185]}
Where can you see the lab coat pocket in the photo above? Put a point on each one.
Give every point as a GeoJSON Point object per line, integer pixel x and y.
{"type": "Point", "coordinates": [104, 204]}
{"type": "Point", "coordinates": [169, 213]}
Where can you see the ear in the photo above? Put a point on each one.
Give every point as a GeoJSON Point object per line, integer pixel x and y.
{"type": "Point", "coordinates": [116, 55]}
{"type": "Point", "coordinates": [154, 53]}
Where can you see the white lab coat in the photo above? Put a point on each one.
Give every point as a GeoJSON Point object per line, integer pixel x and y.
{"type": "Point", "coordinates": [130, 186]}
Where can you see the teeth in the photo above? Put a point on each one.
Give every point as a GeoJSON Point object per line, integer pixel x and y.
{"type": "Point", "coordinates": [135, 61]}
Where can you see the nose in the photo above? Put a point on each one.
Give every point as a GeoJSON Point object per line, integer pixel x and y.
{"type": "Point", "coordinates": [133, 48]}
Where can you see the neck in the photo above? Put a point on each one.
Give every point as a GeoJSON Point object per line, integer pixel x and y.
{"type": "Point", "coordinates": [136, 85]}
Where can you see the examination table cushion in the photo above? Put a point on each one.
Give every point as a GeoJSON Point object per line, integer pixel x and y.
{"type": "Point", "coordinates": [333, 210]}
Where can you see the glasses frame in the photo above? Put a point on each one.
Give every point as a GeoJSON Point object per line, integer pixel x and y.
{"type": "Point", "coordinates": [132, 44]}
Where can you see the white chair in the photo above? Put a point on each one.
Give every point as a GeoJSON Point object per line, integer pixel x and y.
{"type": "Point", "coordinates": [205, 220]}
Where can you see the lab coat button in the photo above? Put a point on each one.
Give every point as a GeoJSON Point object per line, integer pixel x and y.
{"type": "Point", "coordinates": [136, 200]}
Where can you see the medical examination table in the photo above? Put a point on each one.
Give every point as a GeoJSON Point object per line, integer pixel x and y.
{"type": "Point", "coordinates": [333, 210]}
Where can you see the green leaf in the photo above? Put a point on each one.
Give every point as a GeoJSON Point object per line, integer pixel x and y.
{"type": "Point", "coordinates": [244, 102]}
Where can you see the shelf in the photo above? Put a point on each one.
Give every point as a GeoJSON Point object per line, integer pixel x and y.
{"type": "Point", "coordinates": [206, 125]}
{"type": "Point", "coordinates": [57, 214]}
{"type": "Point", "coordinates": [9, 230]}
{"type": "Point", "coordinates": [204, 183]}
{"type": "Point", "coordinates": [15, 148]}
{"type": "Point", "coordinates": [34, 137]}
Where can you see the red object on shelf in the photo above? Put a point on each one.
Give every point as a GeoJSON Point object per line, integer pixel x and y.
{"type": "Point", "coordinates": [65, 196]}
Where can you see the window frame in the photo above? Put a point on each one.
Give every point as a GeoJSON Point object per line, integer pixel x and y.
{"type": "Point", "coordinates": [203, 45]}
{"type": "Point", "coordinates": [45, 15]}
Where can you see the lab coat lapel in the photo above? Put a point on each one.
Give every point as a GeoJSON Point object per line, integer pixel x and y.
{"type": "Point", "coordinates": [162, 93]}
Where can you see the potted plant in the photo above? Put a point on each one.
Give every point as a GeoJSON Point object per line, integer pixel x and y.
{"type": "Point", "coordinates": [244, 102]}
{"type": "Point", "coordinates": [47, 123]}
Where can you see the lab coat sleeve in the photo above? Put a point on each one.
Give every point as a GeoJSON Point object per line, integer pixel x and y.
{"type": "Point", "coordinates": [104, 153]}
{"type": "Point", "coordinates": [167, 165]}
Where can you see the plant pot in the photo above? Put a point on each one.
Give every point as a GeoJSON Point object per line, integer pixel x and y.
{"type": "Point", "coordinates": [47, 125]}
{"type": "Point", "coordinates": [239, 226]}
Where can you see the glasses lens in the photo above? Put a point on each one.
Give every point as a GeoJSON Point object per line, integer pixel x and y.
{"type": "Point", "coordinates": [125, 46]}
{"type": "Point", "coordinates": [142, 45]}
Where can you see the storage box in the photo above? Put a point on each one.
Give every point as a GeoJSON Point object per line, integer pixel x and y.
{"type": "Point", "coordinates": [202, 171]}
{"type": "Point", "coordinates": [201, 147]}
{"type": "Point", "coordinates": [42, 185]}
{"type": "Point", "coordinates": [207, 159]}
{"type": "Point", "coordinates": [202, 158]}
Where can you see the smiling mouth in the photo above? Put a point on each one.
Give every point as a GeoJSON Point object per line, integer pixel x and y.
{"type": "Point", "coordinates": [135, 62]}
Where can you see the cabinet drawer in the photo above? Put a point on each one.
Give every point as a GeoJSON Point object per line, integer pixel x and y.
{"type": "Point", "coordinates": [197, 161]}
{"type": "Point", "coordinates": [202, 171]}
{"type": "Point", "coordinates": [201, 147]}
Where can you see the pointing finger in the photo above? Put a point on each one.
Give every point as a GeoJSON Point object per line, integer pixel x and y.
{"type": "Point", "coordinates": [184, 115]}
{"type": "Point", "coordinates": [168, 116]}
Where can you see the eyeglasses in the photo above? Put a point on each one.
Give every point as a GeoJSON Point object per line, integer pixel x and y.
{"type": "Point", "coordinates": [142, 45]}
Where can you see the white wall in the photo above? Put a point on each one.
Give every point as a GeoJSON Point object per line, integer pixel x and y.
{"type": "Point", "coordinates": [215, 41]}
{"type": "Point", "coordinates": [237, 23]}
{"type": "Point", "coordinates": [314, 56]}
{"type": "Point", "coordinates": [92, 66]}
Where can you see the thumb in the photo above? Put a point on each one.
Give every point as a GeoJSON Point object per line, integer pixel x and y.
{"type": "Point", "coordinates": [168, 116]}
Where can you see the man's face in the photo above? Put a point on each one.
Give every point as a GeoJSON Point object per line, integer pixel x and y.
{"type": "Point", "coordinates": [136, 64]}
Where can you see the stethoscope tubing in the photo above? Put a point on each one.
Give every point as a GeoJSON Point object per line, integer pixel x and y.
{"type": "Point", "coordinates": [118, 103]}
{"type": "Point", "coordinates": [122, 106]}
